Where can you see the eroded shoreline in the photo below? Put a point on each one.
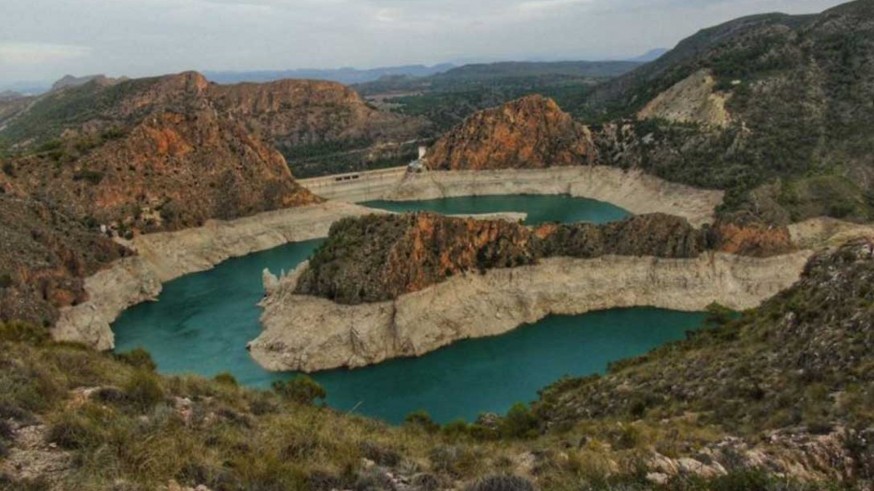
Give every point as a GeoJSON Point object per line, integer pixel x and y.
{"type": "Point", "coordinates": [633, 190]}
{"type": "Point", "coordinates": [166, 256]}
{"type": "Point", "coordinates": [310, 333]}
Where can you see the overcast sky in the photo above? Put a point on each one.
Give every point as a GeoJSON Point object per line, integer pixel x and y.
{"type": "Point", "coordinates": [41, 40]}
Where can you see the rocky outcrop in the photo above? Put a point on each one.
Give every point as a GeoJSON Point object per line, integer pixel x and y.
{"type": "Point", "coordinates": [382, 257]}
{"type": "Point", "coordinates": [402, 285]}
{"type": "Point", "coordinates": [691, 100]}
{"type": "Point", "coordinates": [310, 333]}
{"type": "Point", "coordinates": [751, 239]}
{"type": "Point", "coordinates": [170, 162]}
{"type": "Point", "coordinates": [165, 256]}
{"type": "Point", "coordinates": [290, 113]}
{"type": "Point", "coordinates": [531, 132]}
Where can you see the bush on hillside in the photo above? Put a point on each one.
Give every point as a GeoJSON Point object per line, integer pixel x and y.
{"type": "Point", "coordinates": [301, 389]}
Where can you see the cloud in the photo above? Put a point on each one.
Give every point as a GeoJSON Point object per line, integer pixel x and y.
{"type": "Point", "coordinates": [44, 39]}
{"type": "Point", "coordinates": [39, 53]}
{"type": "Point", "coordinates": [540, 6]}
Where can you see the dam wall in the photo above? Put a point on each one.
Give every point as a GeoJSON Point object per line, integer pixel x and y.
{"type": "Point", "coordinates": [355, 187]}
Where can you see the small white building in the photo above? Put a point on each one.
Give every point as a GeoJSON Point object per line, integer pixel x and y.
{"type": "Point", "coordinates": [420, 163]}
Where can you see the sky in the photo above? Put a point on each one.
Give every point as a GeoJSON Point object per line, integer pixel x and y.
{"type": "Point", "coordinates": [42, 40]}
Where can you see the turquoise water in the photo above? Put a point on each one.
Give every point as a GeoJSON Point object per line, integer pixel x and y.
{"type": "Point", "coordinates": [540, 208]}
{"type": "Point", "coordinates": [202, 322]}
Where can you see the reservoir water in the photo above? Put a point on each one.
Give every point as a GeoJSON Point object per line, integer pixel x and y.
{"type": "Point", "coordinates": [202, 322]}
{"type": "Point", "coordinates": [540, 208]}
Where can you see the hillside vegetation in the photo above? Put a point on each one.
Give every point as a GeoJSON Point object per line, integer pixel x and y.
{"type": "Point", "coordinates": [445, 99]}
{"type": "Point", "coordinates": [799, 92]}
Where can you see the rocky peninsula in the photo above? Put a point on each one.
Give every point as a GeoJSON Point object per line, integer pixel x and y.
{"type": "Point", "coordinates": [425, 281]}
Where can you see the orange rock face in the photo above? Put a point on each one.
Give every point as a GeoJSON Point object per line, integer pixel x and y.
{"type": "Point", "coordinates": [176, 162]}
{"type": "Point", "coordinates": [751, 239]}
{"type": "Point", "coordinates": [531, 132]}
{"type": "Point", "coordinates": [381, 257]}
{"type": "Point", "coordinates": [287, 113]}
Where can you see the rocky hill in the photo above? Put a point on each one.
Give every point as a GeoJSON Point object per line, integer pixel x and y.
{"type": "Point", "coordinates": [288, 113]}
{"type": "Point", "coordinates": [774, 109]}
{"type": "Point", "coordinates": [69, 81]}
{"type": "Point", "coordinates": [531, 132]}
{"type": "Point", "coordinates": [127, 157]}
{"type": "Point", "coordinates": [795, 371]}
{"type": "Point", "coordinates": [780, 108]}
{"type": "Point", "coordinates": [46, 254]}
{"type": "Point", "coordinates": [381, 257]}
{"type": "Point", "coordinates": [310, 122]}
{"type": "Point", "coordinates": [150, 154]}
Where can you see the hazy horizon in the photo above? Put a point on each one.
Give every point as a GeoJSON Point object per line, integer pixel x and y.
{"type": "Point", "coordinates": [138, 38]}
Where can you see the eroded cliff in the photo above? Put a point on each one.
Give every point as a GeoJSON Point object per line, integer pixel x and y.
{"type": "Point", "coordinates": [303, 332]}
{"type": "Point", "coordinates": [381, 257]}
{"type": "Point", "coordinates": [154, 155]}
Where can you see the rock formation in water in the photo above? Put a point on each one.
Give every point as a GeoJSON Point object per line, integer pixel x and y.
{"type": "Point", "coordinates": [381, 257]}
{"type": "Point", "coordinates": [531, 132]}
{"type": "Point", "coordinates": [304, 332]}
{"type": "Point", "coordinates": [403, 285]}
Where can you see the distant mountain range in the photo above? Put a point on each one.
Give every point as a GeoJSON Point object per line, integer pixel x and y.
{"type": "Point", "coordinates": [343, 75]}
{"type": "Point", "coordinates": [650, 55]}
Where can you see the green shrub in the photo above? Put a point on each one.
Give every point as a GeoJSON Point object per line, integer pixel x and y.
{"type": "Point", "coordinates": [456, 429]}
{"type": "Point", "coordinates": [519, 422]}
{"type": "Point", "coordinates": [138, 358]}
{"type": "Point", "coordinates": [301, 389]}
{"type": "Point", "coordinates": [422, 420]}
{"type": "Point", "coordinates": [143, 390]}
{"type": "Point", "coordinates": [75, 430]}
{"type": "Point", "coordinates": [226, 378]}
{"type": "Point", "coordinates": [718, 315]}
{"type": "Point", "coordinates": [20, 332]}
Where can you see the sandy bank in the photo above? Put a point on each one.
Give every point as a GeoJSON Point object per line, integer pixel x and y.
{"type": "Point", "coordinates": [311, 333]}
{"type": "Point", "coordinates": [165, 256]}
{"type": "Point", "coordinates": [635, 191]}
